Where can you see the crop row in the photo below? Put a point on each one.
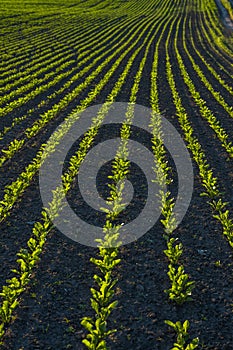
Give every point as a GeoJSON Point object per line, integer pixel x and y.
{"type": "Point", "coordinates": [205, 112]}
{"type": "Point", "coordinates": [209, 181]}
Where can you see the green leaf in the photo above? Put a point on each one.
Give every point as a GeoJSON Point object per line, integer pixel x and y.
{"type": "Point", "coordinates": [88, 344]}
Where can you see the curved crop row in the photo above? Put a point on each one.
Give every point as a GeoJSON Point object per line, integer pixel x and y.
{"type": "Point", "coordinates": [205, 112]}
{"type": "Point", "coordinates": [207, 65]}
{"type": "Point", "coordinates": [209, 181]}
{"type": "Point", "coordinates": [47, 116]}
{"type": "Point", "coordinates": [83, 63]}
{"type": "Point", "coordinates": [209, 46]}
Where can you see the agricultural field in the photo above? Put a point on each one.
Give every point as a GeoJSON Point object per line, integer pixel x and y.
{"type": "Point", "coordinates": [171, 287]}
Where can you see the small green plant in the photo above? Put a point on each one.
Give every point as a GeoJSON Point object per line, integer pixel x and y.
{"type": "Point", "coordinates": [218, 263]}
{"type": "Point", "coordinates": [181, 288]}
{"type": "Point", "coordinates": [182, 336]}
{"type": "Point", "coordinates": [173, 251]}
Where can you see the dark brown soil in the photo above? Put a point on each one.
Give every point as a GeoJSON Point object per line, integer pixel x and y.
{"type": "Point", "coordinates": [58, 296]}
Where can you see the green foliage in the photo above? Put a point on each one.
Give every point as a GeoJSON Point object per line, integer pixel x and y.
{"type": "Point", "coordinates": [181, 288]}
{"type": "Point", "coordinates": [182, 336]}
{"type": "Point", "coordinates": [108, 247]}
{"type": "Point", "coordinates": [95, 55]}
{"type": "Point", "coordinates": [204, 110]}
{"type": "Point", "coordinates": [14, 146]}
{"type": "Point", "coordinates": [173, 251]}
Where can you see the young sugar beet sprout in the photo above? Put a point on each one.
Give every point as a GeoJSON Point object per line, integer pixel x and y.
{"type": "Point", "coordinates": [182, 336]}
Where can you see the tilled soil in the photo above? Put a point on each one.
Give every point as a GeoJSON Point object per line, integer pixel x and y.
{"type": "Point", "coordinates": [58, 296]}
